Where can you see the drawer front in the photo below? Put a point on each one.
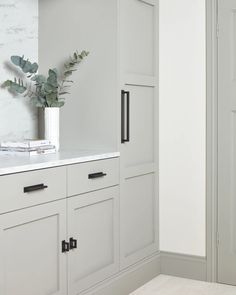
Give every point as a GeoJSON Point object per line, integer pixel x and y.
{"type": "Point", "coordinates": [91, 176]}
{"type": "Point", "coordinates": [31, 188]}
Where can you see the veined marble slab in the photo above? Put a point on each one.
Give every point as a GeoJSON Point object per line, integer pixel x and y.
{"type": "Point", "coordinates": [18, 36]}
{"type": "Point", "coordinates": [10, 164]}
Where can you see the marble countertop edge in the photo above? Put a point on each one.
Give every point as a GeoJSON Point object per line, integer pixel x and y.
{"type": "Point", "coordinates": [10, 164]}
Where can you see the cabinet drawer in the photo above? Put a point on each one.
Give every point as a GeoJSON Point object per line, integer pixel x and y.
{"type": "Point", "coordinates": [32, 188]}
{"type": "Point", "coordinates": [91, 176]}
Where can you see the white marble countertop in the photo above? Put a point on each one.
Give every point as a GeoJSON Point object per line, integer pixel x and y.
{"type": "Point", "coordinates": [14, 164]}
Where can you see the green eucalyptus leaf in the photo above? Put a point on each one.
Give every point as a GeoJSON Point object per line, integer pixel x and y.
{"type": "Point", "coordinates": [68, 73]}
{"type": "Point", "coordinates": [50, 97]}
{"type": "Point", "coordinates": [49, 88]}
{"type": "Point", "coordinates": [34, 68]}
{"type": "Point", "coordinates": [16, 60]}
{"type": "Point", "coordinates": [25, 65]}
{"type": "Point", "coordinates": [39, 79]}
{"type": "Point", "coordinates": [52, 78]}
{"type": "Point", "coordinates": [17, 87]}
{"type": "Point", "coordinates": [64, 92]}
{"type": "Point", "coordinates": [58, 104]}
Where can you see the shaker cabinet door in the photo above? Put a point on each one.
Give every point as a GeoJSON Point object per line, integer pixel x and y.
{"type": "Point", "coordinates": [139, 150]}
{"type": "Point", "coordinates": [138, 219]}
{"type": "Point", "coordinates": [93, 224]}
{"type": "Point", "coordinates": [31, 261]}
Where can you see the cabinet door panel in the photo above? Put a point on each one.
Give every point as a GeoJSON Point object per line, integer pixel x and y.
{"type": "Point", "coordinates": [31, 261]}
{"type": "Point", "coordinates": [138, 218]}
{"type": "Point", "coordinates": [93, 221]}
{"type": "Point", "coordinates": [138, 28]}
{"type": "Point", "coordinates": [140, 149]}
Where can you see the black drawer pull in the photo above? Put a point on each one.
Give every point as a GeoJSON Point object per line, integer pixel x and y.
{"type": "Point", "coordinates": [33, 188]}
{"type": "Point", "coordinates": [96, 175]}
{"type": "Point", "coordinates": [73, 243]}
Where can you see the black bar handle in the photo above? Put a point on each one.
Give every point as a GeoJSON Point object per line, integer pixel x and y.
{"type": "Point", "coordinates": [128, 117]}
{"type": "Point", "coordinates": [96, 175]}
{"type": "Point", "coordinates": [65, 246]}
{"type": "Point", "coordinates": [73, 243]}
{"type": "Point", "coordinates": [36, 187]}
{"type": "Point", "coordinates": [123, 118]}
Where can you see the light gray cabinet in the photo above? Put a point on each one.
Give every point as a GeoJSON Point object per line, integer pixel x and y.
{"type": "Point", "coordinates": [139, 150]}
{"type": "Point", "coordinates": [138, 219]}
{"type": "Point", "coordinates": [93, 220]}
{"type": "Point", "coordinates": [59, 247]}
{"type": "Point", "coordinates": [31, 261]}
{"type": "Point", "coordinates": [14, 187]}
{"type": "Point", "coordinates": [122, 37]}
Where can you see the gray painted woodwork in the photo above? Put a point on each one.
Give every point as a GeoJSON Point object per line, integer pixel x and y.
{"type": "Point", "coordinates": [184, 266]}
{"type": "Point", "coordinates": [12, 187]}
{"type": "Point", "coordinates": [91, 117]}
{"type": "Point", "coordinates": [139, 156]}
{"type": "Point", "coordinates": [227, 142]}
{"type": "Point", "coordinates": [79, 182]}
{"type": "Point", "coordinates": [31, 261]}
{"type": "Point", "coordinates": [93, 219]}
{"type": "Point", "coordinates": [30, 238]}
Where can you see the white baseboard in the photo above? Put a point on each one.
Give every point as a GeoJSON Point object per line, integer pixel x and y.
{"type": "Point", "coordinates": [129, 279]}
{"type": "Point", "coordinates": [185, 266]}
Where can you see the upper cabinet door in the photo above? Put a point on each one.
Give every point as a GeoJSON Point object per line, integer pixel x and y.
{"type": "Point", "coordinates": [138, 37]}
{"type": "Point", "coordinates": [31, 261]}
{"type": "Point", "coordinates": [139, 101]}
{"type": "Point", "coordinates": [139, 129]}
{"type": "Point", "coordinates": [139, 149]}
{"type": "Point", "coordinates": [93, 220]}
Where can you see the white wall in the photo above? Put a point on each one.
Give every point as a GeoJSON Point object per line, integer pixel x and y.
{"type": "Point", "coordinates": [18, 36]}
{"type": "Point", "coordinates": [182, 126]}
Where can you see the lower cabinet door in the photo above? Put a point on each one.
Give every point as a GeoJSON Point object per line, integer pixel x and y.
{"type": "Point", "coordinates": [31, 261]}
{"type": "Point", "coordinates": [93, 221]}
{"type": "Point", "coordinates": [138, 207]}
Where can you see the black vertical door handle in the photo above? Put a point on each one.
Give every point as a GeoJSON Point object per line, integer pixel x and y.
{"type": "Point", "coordinates": [125, 116]}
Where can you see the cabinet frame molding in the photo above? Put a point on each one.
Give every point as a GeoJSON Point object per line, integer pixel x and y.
{"type": "Point", "coordinates": [211, 138]}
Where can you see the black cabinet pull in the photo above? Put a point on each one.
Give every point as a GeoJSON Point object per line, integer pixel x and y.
{"type": "Point", "coordinates": [96, 175]}
{"type": "Point", "coordinates": [36, 187]}
{"type": "Point", "coordinates": [125, 130]}
{"type": "Point", "coordinates": [73, 243]}
{"type": "Point", "coordinates": [65, 246]}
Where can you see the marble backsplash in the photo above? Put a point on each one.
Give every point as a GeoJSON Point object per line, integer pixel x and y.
{"type": "Point", "coordinates": [18, 36]}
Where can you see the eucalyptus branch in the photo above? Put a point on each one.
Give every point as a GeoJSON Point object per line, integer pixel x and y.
{"type": "Point", "coordinates": [44, 91]}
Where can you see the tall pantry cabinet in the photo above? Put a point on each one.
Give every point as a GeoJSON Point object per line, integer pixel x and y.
{"type": "Point", "coordinates": [139, 126]}
{"type": "Point", "coordinates": [114, 101]}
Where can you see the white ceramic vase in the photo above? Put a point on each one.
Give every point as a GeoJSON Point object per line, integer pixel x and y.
{"type": "Point", "coordinates": [52, 125]}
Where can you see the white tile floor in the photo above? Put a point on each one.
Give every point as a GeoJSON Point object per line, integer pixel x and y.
{"type": "Point", "coordinates": [166, 285]}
